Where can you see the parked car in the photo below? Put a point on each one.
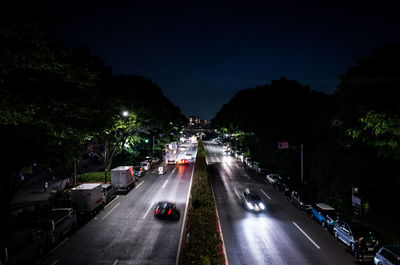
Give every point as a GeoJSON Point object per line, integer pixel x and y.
{"type": "Point", "coordinates": [252, 201]}
{"type": "Point", "coordinates": [349, 232]}
{"type": "Point", "coordinates": [138, 171]}
{"type": "Point", "coordinates": [272, 178]}
{"type": "Point", "coordinates": [108, 193]}
{"type": "Point", "coordinates": [300, 200]}
{"type": "Point", "coordinates": [326, 215]}
{"type": "Point", "coordinates": [166, 210]}
{"type": "Point", "coordinates": [388, 255]}
{"type": "Point", "coordinates": [145, 165]}
{"type": "Point", "coordinates": [57, 224]}
{"type": "Point", "coordinates": [261, 169]}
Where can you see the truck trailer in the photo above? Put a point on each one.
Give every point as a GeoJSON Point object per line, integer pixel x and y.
{"type": "Point", "coordinates": [87, 197]}
{"type": "Point", "coordinates": [122, 178]}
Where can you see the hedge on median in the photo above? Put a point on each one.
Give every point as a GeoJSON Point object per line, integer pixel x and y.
{"type": "Point", "coordinates": [203, 244]}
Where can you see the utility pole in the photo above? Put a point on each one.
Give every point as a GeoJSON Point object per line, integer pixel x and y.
{"type": "Point", "coordinates": [74, 182]}
{"type": "Point", "coordinates": [105, 161]}
{"type": "Point", "coordinates": [301, 166]}
{"type": "Point", "coordinates": [153, 148]}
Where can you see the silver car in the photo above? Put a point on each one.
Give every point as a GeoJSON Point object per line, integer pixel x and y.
{"type": "Point", "coordinates": [272, 178]}
{"type": "Point", "coordinates": [349, 232]}
{"type": "Point", "coordinates": [388, 255]}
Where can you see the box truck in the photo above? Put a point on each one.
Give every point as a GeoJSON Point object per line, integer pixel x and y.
{"type": "Point", "coordinates": [87, 197]}
{"type": "Point", "coordinates": [122, 178]}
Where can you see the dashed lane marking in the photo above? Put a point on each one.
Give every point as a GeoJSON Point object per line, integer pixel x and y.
{"type": "Point", "coordinates": [139, 184]}
{"type": "Point", "coordinates": [116, 197]}
{"type": "Point", "coordinates": [304, 233]}
{"type": "Point", "coordinates": [104, 217]}
{"type": "Point", "coordinates": [148, 210]}
{"type": "Point", "coordinates": [265, 194]}
{"type": "Point", "coordinates": [163, 186]}
{"type": "Point", "coordinates": [236, 193]}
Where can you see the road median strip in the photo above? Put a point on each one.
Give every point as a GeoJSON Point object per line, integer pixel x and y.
{"type": "Point", "coordinates": [203, 240]}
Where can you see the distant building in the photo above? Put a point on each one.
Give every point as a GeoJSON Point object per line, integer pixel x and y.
{"type": "Point", "coordinates": [196, 122]}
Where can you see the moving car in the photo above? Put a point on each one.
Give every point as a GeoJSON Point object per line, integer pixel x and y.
{"type": "Point", "coordinates": [189, 156]}
{"type": "Point", "coordinates": [300, 200]}
{"type": "Point", "coordinates": [166, 210]}
{"type": "Point", "coordinates": [349, 232]}
{"type": "Point", "coordinates": [183, 162]}
{"type": "Point", "coordinates": [272, 178]}
{"type": "Point", "coordinates": [326, 215]}
{"type": "Point", "coordinates": [252, 201]}
{"type": "Point", "coordinates": [171, 161]}
{"type": "Point", "coordinates": [388, 255]}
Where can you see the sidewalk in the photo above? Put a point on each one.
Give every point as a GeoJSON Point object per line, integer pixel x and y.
{"type": "Point", "coordinates": [32, 191]}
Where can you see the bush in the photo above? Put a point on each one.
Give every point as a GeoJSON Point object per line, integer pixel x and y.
{"type": "Point", "coordinates": [204, 242]}
{"type": "Point", "coordinates": [94, 177]}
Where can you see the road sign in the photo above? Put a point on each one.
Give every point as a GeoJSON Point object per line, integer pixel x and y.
{"type": "Point", "coordinates": [283, 145]}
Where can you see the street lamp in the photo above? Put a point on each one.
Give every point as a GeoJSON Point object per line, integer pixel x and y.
{"type": "Point", "coordinates": [125, 113]}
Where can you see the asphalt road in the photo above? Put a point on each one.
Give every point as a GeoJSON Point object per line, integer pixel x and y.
{"type": "Point", "coordinates": [282, 234]}
{"type": "Point", "coordinates": [126, 231]}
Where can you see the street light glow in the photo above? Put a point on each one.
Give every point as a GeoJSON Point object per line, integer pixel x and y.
{"type": "Point", "coordinates": [125, 113]}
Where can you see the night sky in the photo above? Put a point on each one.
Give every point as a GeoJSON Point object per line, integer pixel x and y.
{"type": "Point", "coordinates": [202, 53]}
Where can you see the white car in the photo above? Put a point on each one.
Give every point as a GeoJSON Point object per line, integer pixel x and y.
{"type": "Point", "coordinates": [189, 156]}
{"type": "Point", "coordinates": [272, 178]}
{"type": "Point", "coordinates": [145, 165]}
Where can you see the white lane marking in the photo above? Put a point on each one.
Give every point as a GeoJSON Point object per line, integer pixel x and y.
{"type": "Point", "coordinates": [247, 176]}
{"type": "Point", "coordinates": [173, 170]}
{"type": "Point", "coordinates": [115, 262]}
{"type": "Point", "coordinates": [139, 184]}
{"type": "Point", "coordinates": [116, 197]}
{"type": "Point", "coordinates": [265, 194]}
{"type": "Point", "coordinates": [154, 171]}
{"type": "Point", "coordinates": [236, 193]}
{"type": "Point", "coordinates": [236, 165]}
{"type": "Point", "coordinates": [55, 262]}
{"type": "Point", "coordinates": [184, 218]}
{"type": "Point", "coordinates": [163, 186]}
{"type": "Point", "coordinates": [104, 217]}
{"type": "Point", "coordinates": [220, 228]}
{"type": "Point", "coordinates": [148, 210]}
{"type": "Point", "coordinates": [309, 238]}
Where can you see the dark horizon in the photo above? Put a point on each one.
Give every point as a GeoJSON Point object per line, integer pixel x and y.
{"type": "Point", "coordinates": [213, 51]}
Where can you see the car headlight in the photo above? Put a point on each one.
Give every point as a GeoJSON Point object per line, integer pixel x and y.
{"type": "Point", "coordinates": [262, 206]}
{"type": "Point", "coordinates": [249, 205]}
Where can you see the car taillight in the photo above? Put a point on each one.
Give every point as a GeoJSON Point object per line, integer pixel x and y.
{"type": "Point", "coordinates": [156, 211]}
{"type": "Point", "coordinates": [169, 212]}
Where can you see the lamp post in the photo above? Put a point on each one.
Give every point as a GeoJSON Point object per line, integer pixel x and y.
{"type": "Point", "coordinates": [125, 114]}
{"type": "Point", "coordinates": [285, 145]}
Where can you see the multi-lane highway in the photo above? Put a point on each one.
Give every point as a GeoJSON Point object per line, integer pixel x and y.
{"type": "Point", "coordinates": [282, 234]}
{"type": "Point", "coordinates": [126, 231]}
